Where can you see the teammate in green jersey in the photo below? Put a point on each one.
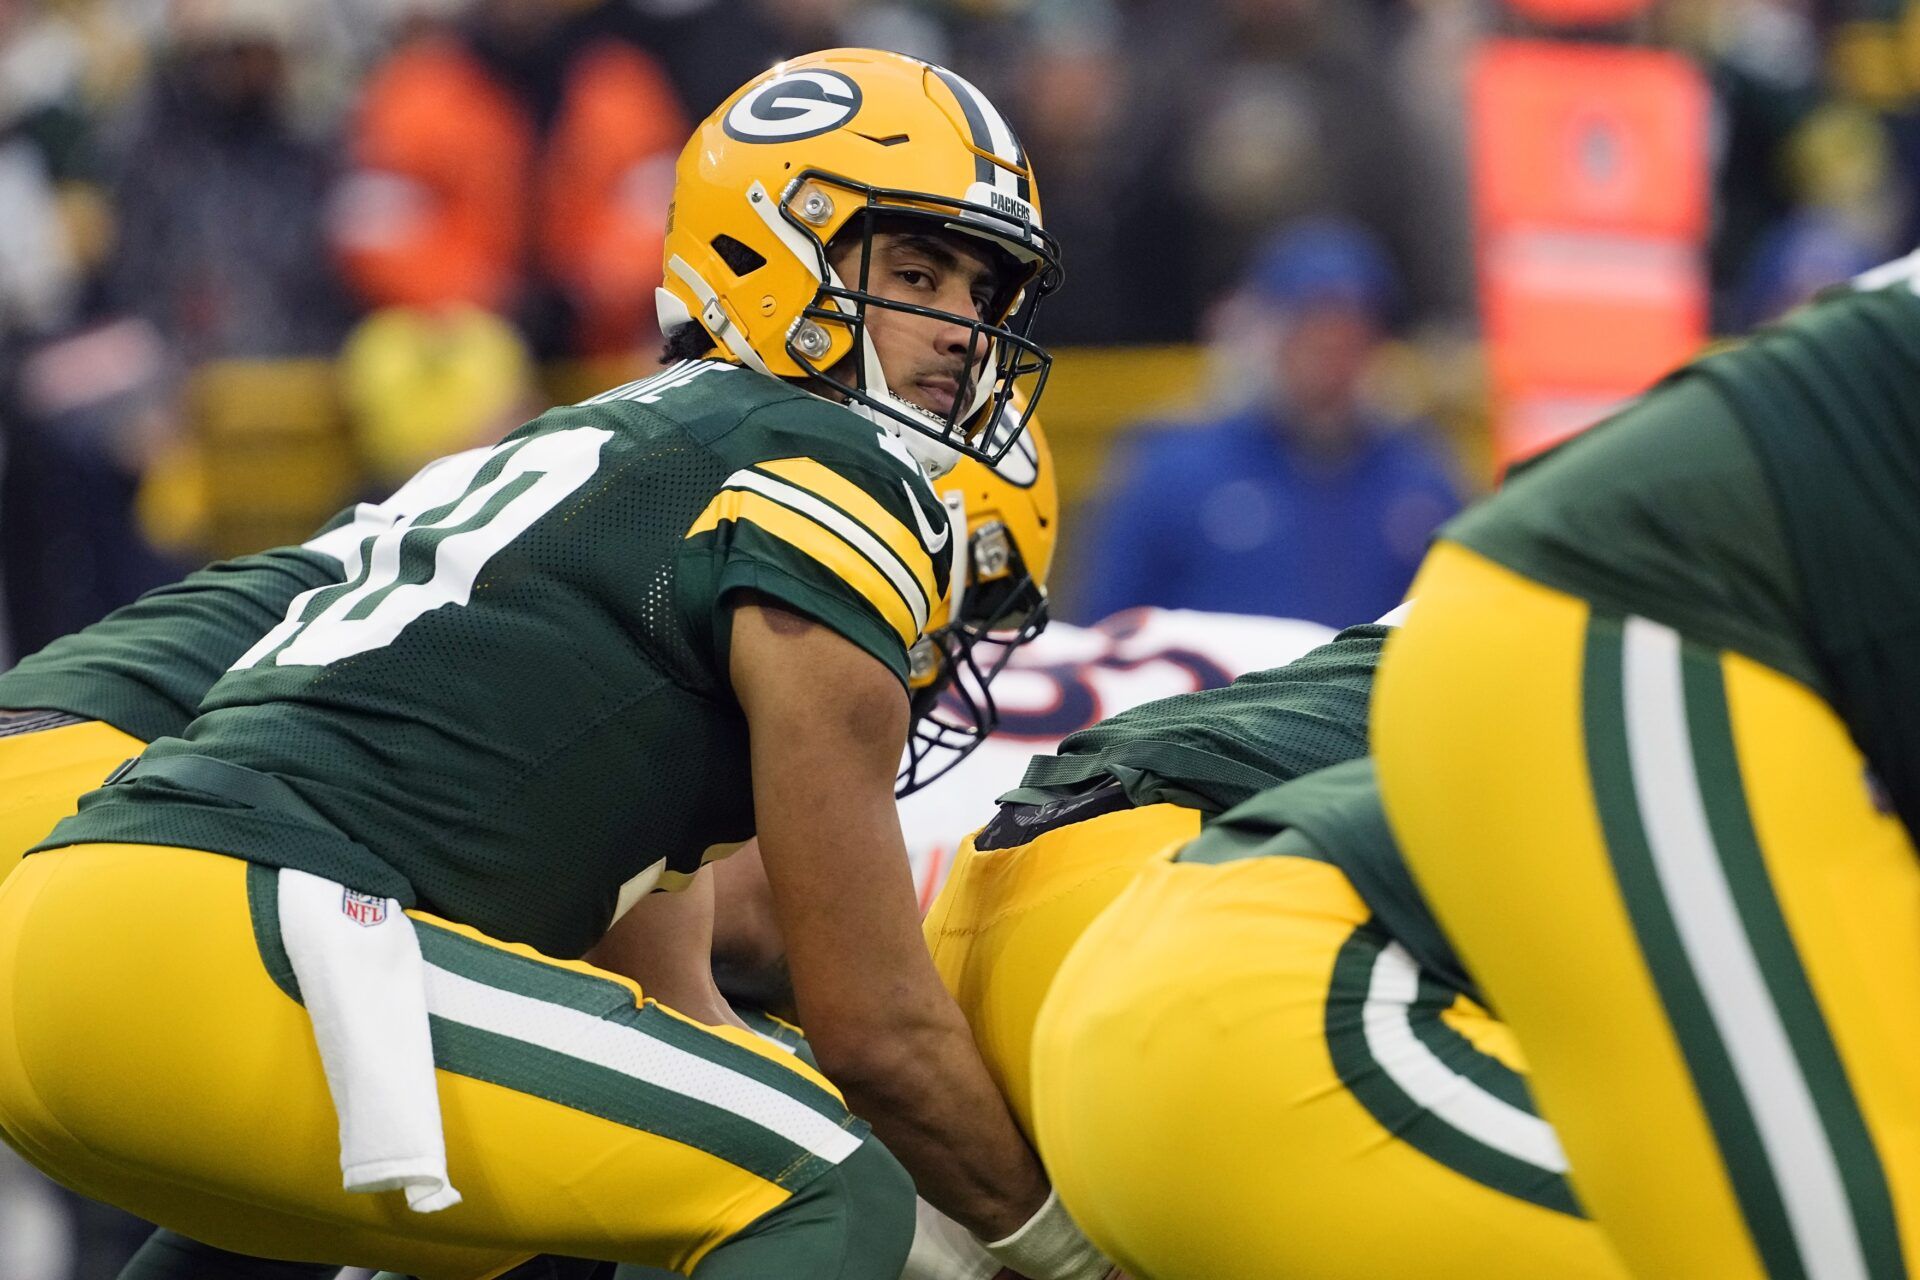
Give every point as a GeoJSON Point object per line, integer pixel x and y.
{"type": "Point", "coordinates": [544, 694]}
{"type": "Point", "coordinates": [1177, 1036]}
{"type": "Point", "coordinates": [1651, 740]}
{"type": "Point", "coordinates": [1263, 1059]}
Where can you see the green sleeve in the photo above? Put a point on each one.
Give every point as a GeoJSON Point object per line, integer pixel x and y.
{"type": "Point", "coordinates": [831, 526]}
{"type": "Point", "coordinates": [1213, 749]}
{"type": "Point", "coordinates": [145, 667]}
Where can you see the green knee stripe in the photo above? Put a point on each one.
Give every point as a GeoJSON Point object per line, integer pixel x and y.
{"type": "Point", "coordinates": [551, 1073]}
{"type": "Point", "coordinates": [1728, 855]}
{"type": "Point", "coordinates": [1407, 1119]}
{"type": "Point", "coordinates": [1717, 766]}
{"type": "Point", "coordinates": [613, 1095]}
{"type": "Point", "coordinates": [585, 1086]}
{"type": "Point", "coordinates": [613, 1001]}
{"type": "Point", "coordinates": [1610, 768]}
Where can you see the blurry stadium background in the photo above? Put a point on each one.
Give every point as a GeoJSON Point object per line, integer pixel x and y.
{"type": "Point", "coordinates": [1330, 263]}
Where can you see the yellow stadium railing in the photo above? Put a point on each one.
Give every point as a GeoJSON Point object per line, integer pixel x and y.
{"type": "Point", "coordinates": [270, 453]}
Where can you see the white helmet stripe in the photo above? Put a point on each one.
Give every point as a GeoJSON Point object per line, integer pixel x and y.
{"type": "Point", "coordinates": [992, 133]}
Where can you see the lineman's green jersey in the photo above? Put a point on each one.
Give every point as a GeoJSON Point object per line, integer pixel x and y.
{"type": "Point", "coordinates": [1334, 816]}
{"type": "Point", "coordinates": [515, 711]}
{"type": "Point", "coordinates": [1766, 500]}
{"type": "Point", "coordinates": [1213, 749]}
{"type": "Point", "coordinates": [144, 667]}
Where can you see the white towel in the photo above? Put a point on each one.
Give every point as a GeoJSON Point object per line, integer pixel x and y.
{"type": "Point", "coordinates": [360, 973]}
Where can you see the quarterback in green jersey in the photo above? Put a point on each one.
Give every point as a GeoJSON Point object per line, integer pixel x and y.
{"type": "Point", "coordinates": [1651, 741]}
{"type": "Point", "coordinates": [1180, 1022]}
{"type": "Point", "coordinates": [639, 631]}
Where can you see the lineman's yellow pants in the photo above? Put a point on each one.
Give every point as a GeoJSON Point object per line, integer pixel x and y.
{"type": "Point", "coordinates": [1665, 865]}
{"type": "Point", "coordinates": [1202, 1082]}
{"type": "Point", "coordinates": [156, 1057]}
{"type": "Point", "coordinates": [1006, 918]}
{"type": "Point", "coordinates": [44, 773]}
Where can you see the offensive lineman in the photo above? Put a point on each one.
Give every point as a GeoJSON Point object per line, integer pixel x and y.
{"type": "Point", "coordinates": [1248, 1055]}
{"type": "Point", "coordinates": [589, 633]}
{"type": "Point", "coordinates": [1651, 739]}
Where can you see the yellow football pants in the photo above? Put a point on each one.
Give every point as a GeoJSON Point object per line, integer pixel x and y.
{"type": "Point", "coordinates": [43, 774]}
{"type": "Point", "coordinates": [1006, 918]}
{"type": "Point", "coordinates": [1665, 865]}
{"type": "Point", "coordinates": [1237, 1075]}
{"type": "Point", "coordinates": [156, 1058]}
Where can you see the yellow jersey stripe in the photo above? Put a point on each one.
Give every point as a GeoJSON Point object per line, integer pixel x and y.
{"type": "Point", "coordinates": [817, 478]}
{"type": "Point", "coordinates": [819, 544]}
{"type": "Point", "coordinates": [851, 531]}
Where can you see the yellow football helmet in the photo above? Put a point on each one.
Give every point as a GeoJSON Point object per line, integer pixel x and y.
{"type": "Point", "coordinates": [819, 147]}
{"type": "Point", "coordinates": [1007, 518]}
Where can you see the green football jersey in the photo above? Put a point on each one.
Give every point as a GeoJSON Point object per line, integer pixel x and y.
{"type": "Point", "coordinates": [1335, 816]}
{"type": "Point", "coordinates": [145, 667]}
{"type": "Point", "coordinates": [1213, 749]}
{"type": "Point", "coordinates": [515, 711]}
{"type": "Point", "coordinates": [1766, 500]}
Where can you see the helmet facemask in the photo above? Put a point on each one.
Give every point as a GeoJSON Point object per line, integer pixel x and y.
{"type": "Point", "coordinates": [954, 667]}
{"type": "Point", "coordinates": [984, 419]}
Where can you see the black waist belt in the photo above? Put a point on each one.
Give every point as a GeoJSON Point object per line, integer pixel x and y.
{"type": "Point", "coordinates": [1018, 824]}
{"type": "Point", "coordinates": [243, 786]}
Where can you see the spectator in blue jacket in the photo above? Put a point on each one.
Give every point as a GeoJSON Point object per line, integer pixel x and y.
{"type": "Point", "coordinates": [1302, 503]}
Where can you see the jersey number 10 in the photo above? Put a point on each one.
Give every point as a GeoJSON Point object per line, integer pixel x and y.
{"type": "Point", "coordinates": [424, 547]}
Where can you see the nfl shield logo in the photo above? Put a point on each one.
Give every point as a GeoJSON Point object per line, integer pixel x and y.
{"type": "Point", "coordinates": [362, 908]}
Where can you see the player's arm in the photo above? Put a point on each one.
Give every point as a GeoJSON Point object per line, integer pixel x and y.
{"type": "Point", "coordinates": [828, 723]}
{"type": "Point", "coordinates": [665, 944]}
{"type": "Point", "coordinates": [749, 957]}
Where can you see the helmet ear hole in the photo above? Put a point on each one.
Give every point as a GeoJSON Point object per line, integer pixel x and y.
{"type": "Point", "coordinates": [741, 259]}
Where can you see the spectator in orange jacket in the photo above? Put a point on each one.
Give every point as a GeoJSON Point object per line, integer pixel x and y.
{"type": "Point", "coordinates": [520, 162]}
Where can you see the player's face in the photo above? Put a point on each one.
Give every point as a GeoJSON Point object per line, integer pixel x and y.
{"type": "Point", "coordinates": [925, 358]}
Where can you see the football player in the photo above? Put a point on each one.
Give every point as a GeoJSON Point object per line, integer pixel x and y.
{"type": "Point", "coordinates": [1650, 741]}
{"type": "Point", "coordinates": [1339, 1102]}
{"type": "Point", "coordinates": [92, 701]}
{"type": "Point", "coordinates": [683, 609]}
{"type": "Point", "coordinates": [1248, 1055]}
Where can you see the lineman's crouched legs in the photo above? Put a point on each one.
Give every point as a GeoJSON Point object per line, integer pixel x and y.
{"type": "Point", "coordinates": [1237, 1075]}
{"type": "Point", "coordinates": [1714, 971]}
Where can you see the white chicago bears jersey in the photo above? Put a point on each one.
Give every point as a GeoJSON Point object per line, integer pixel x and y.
{"type": "Point", "coordinates": [1072, 677]}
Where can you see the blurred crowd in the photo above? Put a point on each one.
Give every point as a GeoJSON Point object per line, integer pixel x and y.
{"type": "Point", "coordinates": [444, 198]}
